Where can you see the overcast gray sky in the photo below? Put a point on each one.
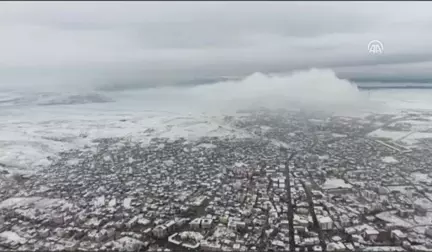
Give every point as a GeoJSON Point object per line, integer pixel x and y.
{"type": "Point", "coordinates": [155, 43]}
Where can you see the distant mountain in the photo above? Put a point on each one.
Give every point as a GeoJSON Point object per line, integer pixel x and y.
{"type": "Point", "coordinates": [389, 82]}
{"type": "Point", "coordinates": [393, 85]}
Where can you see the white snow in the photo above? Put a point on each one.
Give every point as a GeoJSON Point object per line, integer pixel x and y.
{"type": "Point", "coordinates": [390, 160]}
{"type": "Point", "coordinates": [112, 202]}
{"type": "Point", "coordinates": [93, 222]}
{"type": "Point", "coordinates": [403, 99]}
{"type": "Point", "coordinates": [401, 189]}
{"type": "Point", "coordinates": [414, 137]}
{"type": "Point", "coordinates": [99, 201]}
{"type": "Point", "coordinates": [424, 203]}
{"type": "Point", "coordinates": [265, 128]}
{"type": "Point", "coordinates": [29, 134]}
{"type": "Point", "coordinates": [336, 135]}
{"type": "Point", "coordinates": [384, 249]}
{"type": "Point", "coordinates": [393, 135]}
{"type": "Point", "coordinates": [43, 189]}
{"type": "Point", "coordinates": [191, 235]}
{"type": "Point", "coordinates": [392, 218]}
{"type": "Point", "coordinates": [29, 213]}
{"type": "Point", "coordinates": [280, 143]}
{"type": "Point", "coordinates": [416, 125]}
{"type": "Point", "coordinates": [423, 221]}
{"type": "Point", "coordinates": [207, 146]}
{"type": "Point", "coordinates": [406, 137]}
{"type": "Point", "coordinates": [143, 221]}
{"type": "Point", "coordinates": [10, 236]}
{"type": "Point", "coordinates": [127, 202]}
{"type": "Point", "coordinates": [38, 202]}
{"type": "Point", "coordinates": [324, 157]}
{"type": "Point", "coordinates": [73, 161]}
{"type": "Point", "coordinates": [239, 164]}
{"type": "Point", "coordinates": [126, 243]}
{"type": "Point", "coordinates": [420, 177]}
{"type": "Point", "coordinates": [168, 162]}
{"type": "Point", "coordinates": [18, 201]}
{"type": "Point", "coordinates": [335, 183]}
{"type": "Point", "coordinates": [411, 135]}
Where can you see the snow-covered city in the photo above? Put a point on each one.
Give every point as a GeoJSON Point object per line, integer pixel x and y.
{"type": "Point", "coordinates": [294, 181]}
{"type": "Point", "coordinates": [216, 126]}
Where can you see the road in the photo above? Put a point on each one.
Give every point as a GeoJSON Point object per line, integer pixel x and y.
{"type": "Point", "coordinates": [290, 206]}
{"type": "Point", "coordinates": [310, 201]}
{"type": "Point", "coordinates": [314, 218]}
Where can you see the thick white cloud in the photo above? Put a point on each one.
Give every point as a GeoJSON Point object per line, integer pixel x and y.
{"type": "Point", "coordinates": [148, 43]}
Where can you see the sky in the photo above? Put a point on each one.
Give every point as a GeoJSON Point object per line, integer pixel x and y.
{"type": "Point", "coordinates": [128, 44]}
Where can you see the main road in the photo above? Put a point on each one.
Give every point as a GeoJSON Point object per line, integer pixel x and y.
{"type": "Point", "coordinates": [288, 188]}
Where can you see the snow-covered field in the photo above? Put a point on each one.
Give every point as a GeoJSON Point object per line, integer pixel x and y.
{"type": "Point", "coordinates": [403, 103]}
{"type": "Point", "coordinates": [390, 160]}
{"type": "Point", "coordinates": [34, 127]}
{"type": "Point", "coordinates": [333, 183]}
{"type": "Point", "coordinates": [408, 138]}
{"type": "Point", "coordinates": [32, 132]}
{"type": "Point", "coordinates": [403, 99]}
{"type": "Point", "coordinates": [391, 217]}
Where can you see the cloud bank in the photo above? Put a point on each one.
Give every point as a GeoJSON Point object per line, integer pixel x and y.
{"type": "Point", "coordinates": [115, 45]}
{"type": "Point", "coordinates": [314, 89]}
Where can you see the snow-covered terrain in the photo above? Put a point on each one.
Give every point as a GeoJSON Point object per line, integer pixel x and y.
{"type": "Point", "coordinates": [30, 134]}
{"type": "Point", "coordinates": [389, 159]}
{"type": "Point", "coordinates": [37, 125]}
{"type": "Point", "coordinates": [332, 183]}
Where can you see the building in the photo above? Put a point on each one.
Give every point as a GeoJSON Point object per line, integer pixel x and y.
{"type": "Point", "coordinates": [190, 245]}
{"type": "Point", "coordinates": [339, 190]}
{"type": "Point", "coordinates": [318, 194]}
{"type": "Point", "coordinates": [326, 223]}
{"type": "Point", "coordinates": [335, 246]}
{"type": "Point", "coordinates": [302, 222]}
{"type": "Point", "coordinates": [350, 230]}
{"type": "Point", "coordinates": [299, 229]}
{"type": "Point", "coordinates": [241, 225]}
{"type": "Point", "coordinates": [317, 248]}
{"type": "Point", "coordinates": [370, 234]}
{"type": "Point", "coordinates": [187, 239]}
{"type": "Point", "coordinates": [199, 201]}
{"type": "Point", "coordinates": [195, 223]}
{"type": "Point", "coordinates": [383, 235]}
{"type": "Point", "coordinates": [237, 185]}
{"type": "Point", "coordinates": [420, 209]}
{"type": "Point", "coordinates": [284, 224]}
{"type": "Point", "coordinates": [223, 219]}
{"type": "Point", "coordinates": [206, 223]}
{"type": "Point", "coordinates": [170, 225]}
{"type": "Point", "coordinates": [383, 190]}
{"type": "Point", "coordinates": [405, 213]}
{"type": "Point", "coordinates": [398, 236]}
{"type": "Point", "coordinates": [345, 221]}
{"type": "Point", "coordinates": [174, 241]}
{"type": "Point", "coordinates": [160, 231]}
{"type": "Point", "coordinates": [369, 195]}
{"type": "Point", "coordinates": [232, 224]}
{"type": "Point", "coordinates": [235, 223]}
{"type": "Point", "coordinates": [209, 246]}
{"type": "Point", "coordinates": [428, 232]}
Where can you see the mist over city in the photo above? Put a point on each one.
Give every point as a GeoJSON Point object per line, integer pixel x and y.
{"type": "Point", "coordinates": [215, 126]}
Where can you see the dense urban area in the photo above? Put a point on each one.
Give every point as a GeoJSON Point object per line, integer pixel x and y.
{"type": "Point", "coordinates": [302, 181]}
